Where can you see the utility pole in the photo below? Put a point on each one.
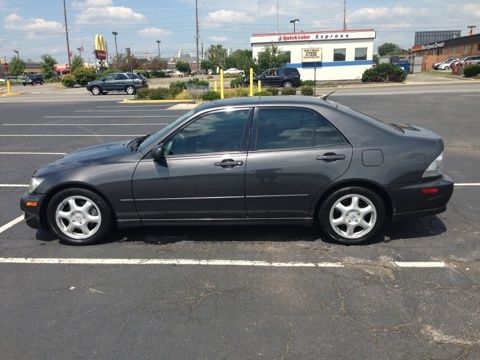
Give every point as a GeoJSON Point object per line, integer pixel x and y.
{"type": "Point", "coordinates": [202, 52]}
{"type": "Point", "coordinates": [277, 16]}
{"type": "Point", "coordinates": [196, 32]}
{"type": "Point", "coordinates": [66, 34]}
{"type": "Point", "coordinates": [344, 14]}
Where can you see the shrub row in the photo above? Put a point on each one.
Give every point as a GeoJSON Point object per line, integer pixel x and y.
{"type": "Point", "coordinates": [384, 73]}
{"type": "Point", "coordinates": [471, 70]}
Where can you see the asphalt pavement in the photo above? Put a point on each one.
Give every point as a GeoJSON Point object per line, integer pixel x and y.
{"type": "Point", "coordinates": [239, 292]}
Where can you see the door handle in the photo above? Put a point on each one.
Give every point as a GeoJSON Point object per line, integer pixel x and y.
{"type": "Point", "coordinates": [331, 157]}
{"type": "Point", "coordinates": [228, 163]}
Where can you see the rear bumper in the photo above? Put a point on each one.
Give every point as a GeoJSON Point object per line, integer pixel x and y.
{"type": "Point", "coordinates": [411, 201]}
{"type": "Point", "coordinates": [32, 214]}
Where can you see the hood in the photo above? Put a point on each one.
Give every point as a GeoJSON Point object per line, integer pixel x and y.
{"type": "Point", "coordinates": [91, 156]}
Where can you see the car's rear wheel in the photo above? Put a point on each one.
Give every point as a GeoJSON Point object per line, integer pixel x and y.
{"type": "Point", "coordinates": [130, 90]}
{"type": "Point", "coordinates": [79, 216]}
{"type": "Point", "coordinates": [95, 90]}
{"type": "Point", "coordinates": [287, 84]}
{"type": "Point", "coordinates": [352, 215]}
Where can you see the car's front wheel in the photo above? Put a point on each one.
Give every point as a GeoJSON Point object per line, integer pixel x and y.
{"type": "Point", "coordinates": [287, 84]}
{"type": "Point", "coordinates": [130, 90]}
{"type": "Point", "coordinates": [352, 215]}
{"type": "Point", "coordinates": [79, 216]}
{"type": "Point", "coordinates": [95, 90]}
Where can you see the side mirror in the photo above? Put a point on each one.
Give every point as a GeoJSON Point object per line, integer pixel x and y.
{"type": "Point", "coordinates": [157, 153]}
{"type": "Point", "coordinates": [103, 79]}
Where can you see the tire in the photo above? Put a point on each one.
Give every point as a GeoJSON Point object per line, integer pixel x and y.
{"type": "Point", "coordinates": [130, 90]}
{"type": "Point", "coordinates": [79, 217]}
{"type": "Point", "coordinates": [338, 214]}
{"type": "Point", "coordinates": [95, 90]}
{"type": "Point", "coordinates": [287, 84]}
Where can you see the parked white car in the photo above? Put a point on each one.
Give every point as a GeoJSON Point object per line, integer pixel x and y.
{"type": "Point", "coordinates": [446, 64]}
{"type": "Point", "coordinates": [233, 71]}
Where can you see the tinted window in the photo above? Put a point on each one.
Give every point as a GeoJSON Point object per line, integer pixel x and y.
{"type": "Point", "coordinates": [120, 77]}
{"type": "Point", "coordinates": [291, 72]}
{"type": "Point", "coordinates": [109, 78]}
{"type": "Point", "coordinates": [285, 128]}
{"type": "Point", "coordinates": [325, 134]}
{"type": "Point", "coordinates": [215, 132]}
{"type": "Point", "coordinates": [339, 54]}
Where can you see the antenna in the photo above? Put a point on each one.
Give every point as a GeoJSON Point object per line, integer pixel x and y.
{"type": "Point", "coordinates": [344, 14]}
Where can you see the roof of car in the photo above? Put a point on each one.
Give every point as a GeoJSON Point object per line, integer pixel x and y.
{"type": "Point", "coordinates": [268, 100]}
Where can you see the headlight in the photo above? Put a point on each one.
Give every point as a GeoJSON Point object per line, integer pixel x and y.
{"type": "Point", "coordinates": [435, 168]}
{"type": "Point", "coordinates": [34, 183]}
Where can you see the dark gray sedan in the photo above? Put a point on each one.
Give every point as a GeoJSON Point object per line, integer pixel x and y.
{"type": "Point", "coordinates": [274, 160]}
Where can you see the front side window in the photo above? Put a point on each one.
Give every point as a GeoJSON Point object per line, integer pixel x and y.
{"type": "Point", "coordinates": [109, 78]}
{"type": "Point", "coordinates": [339, 54]}
{"type": "Point", "coordinates": [214, 132]}
{"type": "Point", "coordinates": [360, 53]}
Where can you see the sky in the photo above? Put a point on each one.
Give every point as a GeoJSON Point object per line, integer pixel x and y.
{"type": "Point", "coordinates": [36, 27]}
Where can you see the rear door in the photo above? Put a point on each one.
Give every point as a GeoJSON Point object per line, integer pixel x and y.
{"type": "Point", "coordinates": [121, 81]}
{"type": "Point", "coordinates": [294, 154]}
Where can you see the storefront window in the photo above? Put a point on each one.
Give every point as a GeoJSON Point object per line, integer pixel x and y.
{"type": "Point", "coordinates": [360, 53]}
{"type": "Point", "coordinates": [339, 54]}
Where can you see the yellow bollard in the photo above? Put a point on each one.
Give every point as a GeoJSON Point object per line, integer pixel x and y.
{"type": "Point", "coordinates": [259, 87]}
{"type": "Point", "coordinates": [222, 95]}
{"type": "Point", "coordinates": [215, 85]}
{"type": "Point", "coordinates": [251, 82]}
{"type": "Point", "coordinates": [9, 90]}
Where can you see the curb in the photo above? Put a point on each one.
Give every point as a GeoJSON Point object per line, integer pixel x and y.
{"type": "Point", "coordinates": [11, 94]}
{"type": "Point", "coordinates": [135, 101]}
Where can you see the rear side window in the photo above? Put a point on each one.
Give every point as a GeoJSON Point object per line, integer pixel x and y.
{"type": "Point", "coordinates": [291, 72]}
{"type": "Point", "coordinates": [120, 77]}
{"type": "Point", "coordinates": [293, 128]}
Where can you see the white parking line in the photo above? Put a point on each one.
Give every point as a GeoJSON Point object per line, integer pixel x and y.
{"type": "Point", "coordinates": [13, 185]}
{"type": "Point", "coordinates": [120, 109]}
{"type": "Point", "coordinates": [70, 135]}
{"type": "Point", "coordinates": [104, 116]}
{"type": "Point", "coordinates": [467, 184]}
{"type": "Point", "coordinates": [30, 153]}
{"type": "Point", "coordinates": [11, 223]}
{"type": "Point", "coordinates": [53, 124]}
{"type": "Point", "coordinates": [215, 262]}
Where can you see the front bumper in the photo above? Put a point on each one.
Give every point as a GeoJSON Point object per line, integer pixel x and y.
{"type": "Point", "coordinates": [32, 213]}
{"type": "Point", "coordinates": [426, 198]}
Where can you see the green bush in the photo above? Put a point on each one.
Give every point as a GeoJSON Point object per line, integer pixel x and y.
{"type": "Point", "coordinates": [274, 91]}
{"type": "Point", "coordinates": [159, 74]}
{"type": "Point", "coordinates": [210, 95]}
{"type": "Point", "coordinates": [237, 82]}
{"type": "Point", "coordinates": [263, 93]}
{"type": "Point", "coordinates": [68, 81]}
{"type": "Point", "coordinates": [471, 70]}
{"type": "Point", "coordinates": [154, 94]}
{"type": "Point", "coordinates": [197, 82]}
{"type": "Point", "coordinates": [83, 75]}
{"type": "Point", "coordinates": [289, 91]}
{"type": "Point", "coordinates": [177, 87]}
{"type": "Point", "coordinates": [306, 90]}
{"type": "Point", "coordinates": [384, 73]}
{"type": "Point", "coordinates": [308, 83]}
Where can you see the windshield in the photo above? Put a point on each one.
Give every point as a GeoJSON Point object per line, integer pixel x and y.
{"type": "Point", "coordinates": [154, 138]}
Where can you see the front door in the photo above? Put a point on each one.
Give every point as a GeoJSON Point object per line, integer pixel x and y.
{"type": "Point", "coordinates": [203, 174]}
{"type": "Point", "coordinates": [294, 155]}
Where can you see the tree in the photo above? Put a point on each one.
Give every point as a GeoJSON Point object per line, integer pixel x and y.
{"type": "Point", "coordinates": [183, 66]}
{"type": "Point", "coordinates": [76, 63]}
{"type": "Point", "coordinates": [240, 59]}
{"type": "Point", "coordinates": [390, 49]}
{"type": "Point", "coordinates": [47, 65]}
{"type": "Point", "coordinates": [206, 65]}
{"type": "Point", "coordinates": [217, 55]}
{"type": "Point", "coordinates": [155, 64]}
{"type": "Point", "coordinates": [271, 57]}
{"type": "Point", "coordinates": [125, 62]}
{"type": "Point", "coordinates": [83, 75]}
{"type": "Point", "coordinates": [17, 66]}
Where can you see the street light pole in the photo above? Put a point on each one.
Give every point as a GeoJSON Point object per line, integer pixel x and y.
{"type": "Point", "coordinates": [116, 47]}
{"type": "Point", "coordinates": [294, 21]}
{"type": "Point", "coordinates": [18, 54]}
{"type": "Point", "coordinates": [158, 45]}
